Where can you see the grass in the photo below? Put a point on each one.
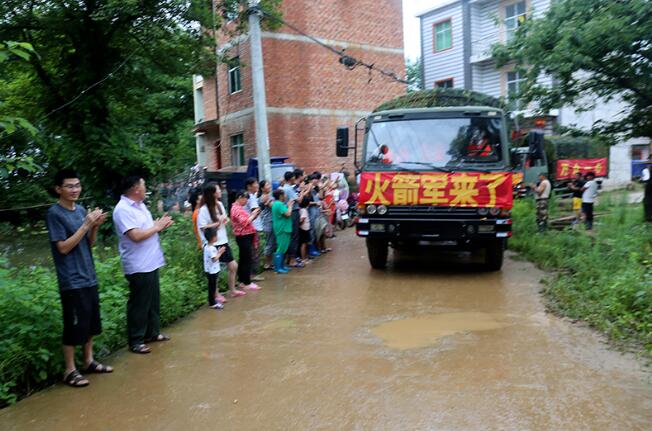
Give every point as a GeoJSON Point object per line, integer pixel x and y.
{"type": "Point", "coordinates": [603, 277]}
{"type": "Point", "coordinates": [30, 310]}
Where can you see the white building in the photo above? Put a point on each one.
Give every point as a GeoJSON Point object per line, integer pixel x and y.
{"type": "Point", "coordinates": [456, 40]}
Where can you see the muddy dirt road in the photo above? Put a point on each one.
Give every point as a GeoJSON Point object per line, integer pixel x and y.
{"type": "Point", "coordinates": [427, 345]}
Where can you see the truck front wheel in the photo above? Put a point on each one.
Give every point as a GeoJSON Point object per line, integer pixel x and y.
{"type": "Point", "coordinates": [377, 251]}
{"type": "Point", "coordinates": [494, 253]}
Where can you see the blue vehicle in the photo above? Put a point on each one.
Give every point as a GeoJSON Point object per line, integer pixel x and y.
{"type": "Point", "coordinates": [236, 176]}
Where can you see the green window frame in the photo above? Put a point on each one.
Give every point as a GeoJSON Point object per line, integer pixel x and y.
{"type": "Point", "coordinates": [237, 150]}
{"type": "Point", "coordinates": [443, 33]}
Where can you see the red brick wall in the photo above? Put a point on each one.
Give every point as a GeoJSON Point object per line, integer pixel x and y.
{"type": "Point", "coordinates": [208, 92]}
{"type": "Point", "coordinates": [304, 75]}
{"type": "Point", "coordinates": [299, 74]}
{"type": "Point", "coordinates": [374, 22]}
{"type": "Point", "coordinates": [309, 140]}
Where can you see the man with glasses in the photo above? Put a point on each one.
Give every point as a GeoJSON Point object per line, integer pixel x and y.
{"type": "Point", "coordinates": [72, 232]}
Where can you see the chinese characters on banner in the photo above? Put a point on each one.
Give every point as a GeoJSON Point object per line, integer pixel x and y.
{"type": "Point", "coordinates": [439, 189]}
{"type": "Point", "coordinates": [566, 169]}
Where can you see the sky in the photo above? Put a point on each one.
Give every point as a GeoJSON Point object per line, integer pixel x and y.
{"type": "Point", "coordinates": [412, 38]}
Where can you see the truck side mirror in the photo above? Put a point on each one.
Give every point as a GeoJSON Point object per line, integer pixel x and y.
{"type": "Point", "coordinates": [342, 142]}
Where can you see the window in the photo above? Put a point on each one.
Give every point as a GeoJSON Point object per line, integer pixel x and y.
{"type": "Point", "coordinates": [434, 143]}
{"type": "Point", "coordinates": [444, 83]}
{"type": "Point", "coordinates": [514, 84]}
{"type": "Point", "coordinates": [514, 17]}
{"type": "Point", "coordinates": [199, 105]}
{"type": "Point", "coordinates": [200, 143]}
{"type": "Point", "coordinates": [234, 75]}
{"type": "Point", "coordinates": [443, 36]}
{"type": "Point", "coordinates": [237, 150]}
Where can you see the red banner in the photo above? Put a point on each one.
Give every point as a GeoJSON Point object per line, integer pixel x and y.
{"type": "Point", "coordinates": [566, 169]}
{"type": "Point", "coordinates": [438, 189]}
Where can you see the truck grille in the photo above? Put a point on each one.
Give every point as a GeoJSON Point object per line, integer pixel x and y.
{"type": "Point", "coordinates": [425, 211]}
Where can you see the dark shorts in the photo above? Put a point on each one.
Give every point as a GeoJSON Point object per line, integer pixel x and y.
{"type": "Point", "coordinates": [227, 256]}
{"type": "Point", "coordinates": [304, 236]}
{"type": "Point", "coordinates": [81, 315]}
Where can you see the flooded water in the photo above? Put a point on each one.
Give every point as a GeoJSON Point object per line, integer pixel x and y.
{"type": "Point", "coordinates": [429, 344]}
{"type": "Point", "coordinates": [425, 331]}
{"type": "Point", "coordinates": [26, 248]}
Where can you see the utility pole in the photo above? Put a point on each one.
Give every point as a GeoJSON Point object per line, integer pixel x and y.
{"type": "Point", "coordinates": [258, 79]}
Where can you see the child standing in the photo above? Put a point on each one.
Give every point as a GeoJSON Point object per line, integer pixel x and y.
{"type": "Point", "coordinates": [304, 228]}
{"type": "Point", "coordinates": [212, 266]}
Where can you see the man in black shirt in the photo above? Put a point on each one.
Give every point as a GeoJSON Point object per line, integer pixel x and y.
{"type": "Point", "coordinates": [72, 231]}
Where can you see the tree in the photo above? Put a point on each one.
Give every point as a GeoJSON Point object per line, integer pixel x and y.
{"type": "Point", "coordinates": [110, 87]}
{"type": "Point", "coordinates": [413, 73]}
{"type": "Point", "coordinates": [594, 50]}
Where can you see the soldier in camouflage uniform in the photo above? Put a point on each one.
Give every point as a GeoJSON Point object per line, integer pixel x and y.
{"type": "Point", "coordinates": [542, 192]}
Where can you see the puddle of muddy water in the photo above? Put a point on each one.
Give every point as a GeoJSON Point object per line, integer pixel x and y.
{"type": "Point", "coordinates": [427, 330]}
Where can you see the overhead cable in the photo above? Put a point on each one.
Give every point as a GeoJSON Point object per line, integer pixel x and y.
{"type": "Point", "coordinates": [348, 61]}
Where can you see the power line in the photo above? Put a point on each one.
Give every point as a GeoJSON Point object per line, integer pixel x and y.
{"type": "Point", "coordinates": [81, 94]}
{"type": "Point", "coordinates": [348, 61]}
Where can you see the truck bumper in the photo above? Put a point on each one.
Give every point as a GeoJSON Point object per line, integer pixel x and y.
{"type": "Point", "coordinates": [463, 230]}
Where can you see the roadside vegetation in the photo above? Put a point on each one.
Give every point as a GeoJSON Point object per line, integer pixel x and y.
{"type": "Point", "coordinates": [30, 332]}
{"type": "Point", "coordinates": [602, 277]}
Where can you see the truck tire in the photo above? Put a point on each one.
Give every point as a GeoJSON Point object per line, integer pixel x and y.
{"type": "Point", "coordinates": [377, 251]}
{"type": "Point", "coordinates": [494, 253]}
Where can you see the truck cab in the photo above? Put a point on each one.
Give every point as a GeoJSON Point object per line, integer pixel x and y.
{"type": "Point", "coordinates": [526, 169]}
{"type": "Point", "coordinates": [438, 177]}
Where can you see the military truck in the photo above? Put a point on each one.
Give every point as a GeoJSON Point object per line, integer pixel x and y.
{"type": "Point", "coordinates": [432, 177]}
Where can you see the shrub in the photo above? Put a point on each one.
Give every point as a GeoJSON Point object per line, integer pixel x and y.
{"type": "Point", "coordinates": [604, 278]}
{"type": "Point", "coordinates": [440, 97]}
{"type": "Point", "coordinates": [30, 331]}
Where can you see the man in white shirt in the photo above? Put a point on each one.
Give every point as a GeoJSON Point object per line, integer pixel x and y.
{"type": "Point", "coordinates": [542, 192]}
{"type": "Point", "coordinates": [142, 256]}
{"type": "Point", "coordinates": [589, 193]}
{"type": "Point", "coordinates": [646, 179]}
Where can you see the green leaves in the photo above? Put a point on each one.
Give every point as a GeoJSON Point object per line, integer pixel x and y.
{"type": "Point", "coordinates": [19, 49]}
{"type": "Point", "coordinates": [126, 66]}
{"type": "Point", "coordinates": [30, 310]}
{"type": "Point", "coordinates": [590, 48]}
{"type": "Point", "coordinates": [604, 279]}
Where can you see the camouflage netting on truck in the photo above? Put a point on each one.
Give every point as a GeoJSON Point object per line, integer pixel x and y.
{"type": "Point", "coordinates": [440, 97]}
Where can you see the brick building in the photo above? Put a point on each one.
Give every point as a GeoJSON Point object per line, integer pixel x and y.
{"type": "Point", "coordinates": [309, 93]}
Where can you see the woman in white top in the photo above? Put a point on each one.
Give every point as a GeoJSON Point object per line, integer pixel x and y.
{"type": "Point", "coordinates": [213, 215]}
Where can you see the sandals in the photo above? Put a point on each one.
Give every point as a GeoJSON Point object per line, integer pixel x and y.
{"type": "Point", "coordinates": [75, 380]}
{"type": "Point", "coordinates": [97, 368]}
{"type": "Point", "coordinates": [297, 264]}
{"type": "Point", "coordinates": [159, 338]}
{"type": "Point", "coordinates": [140, 349]}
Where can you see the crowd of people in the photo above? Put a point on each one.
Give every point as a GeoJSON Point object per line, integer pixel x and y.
{"type": "Point", "coordinates": [277, 230]}
{"type": "Point", "coordinates": [285, 228]}
{"type": "Point", "coordinates": [584, 190]}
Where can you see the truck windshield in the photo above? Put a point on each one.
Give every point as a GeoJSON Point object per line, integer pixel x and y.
{"type": "Point", "coordinates": [444, 143]}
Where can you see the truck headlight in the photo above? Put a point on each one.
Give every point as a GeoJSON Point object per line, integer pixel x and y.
{"type": "Point", "coordinates": [494, 211]}
{"type": "Point", "coordinates": [382, 210]}
{"type": "Point", "coordinates": [483, 211]}
{"type": "Point", "coordinates": [371, 209]}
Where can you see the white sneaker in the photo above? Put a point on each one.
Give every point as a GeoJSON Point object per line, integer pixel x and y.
{"type": "Point", "coordinates": [217, 306]}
